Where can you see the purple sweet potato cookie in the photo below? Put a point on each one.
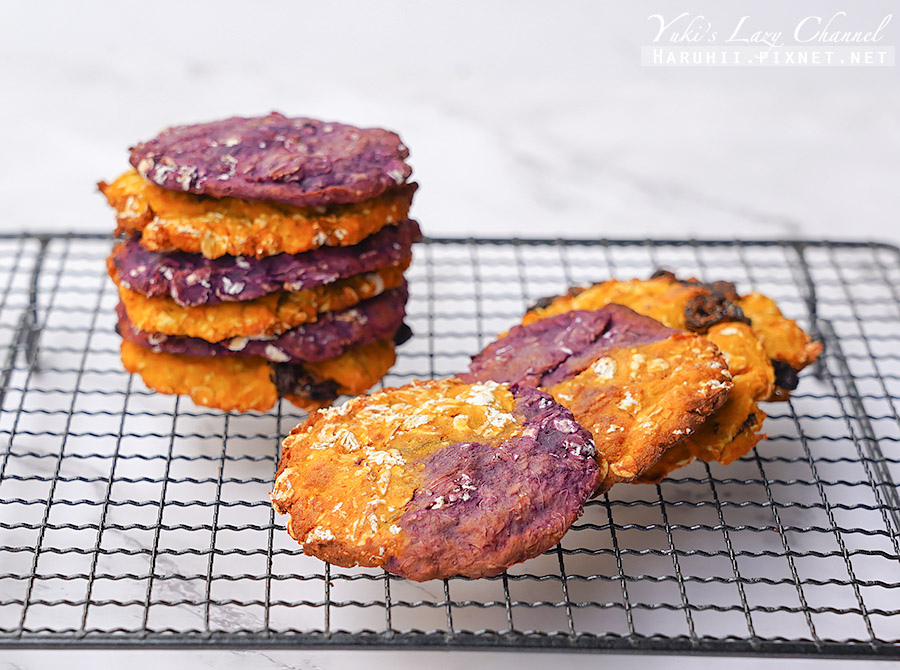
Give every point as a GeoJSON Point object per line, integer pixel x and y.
{"type": "Point", "coordinates": [297, 161]}
{"type": "Point", "coordinates": [191, 279]}
{"type": "Point", "coordinates": [485, 507]}
{"type": "Point", "coordinates": [335, 332]}
{"type": "Point", "coordinates": [551, 350]}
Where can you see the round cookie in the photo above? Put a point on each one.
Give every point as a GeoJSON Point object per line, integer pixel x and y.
{"type": "Point", "coordinates": [296, 161]}
{"type": "Point", "coordinates": [332, 334]}
{"type": "Point", "coordinates": [733, 429]}
{"type": "Point", "coordinates": [214, 227]}
{"type": "Point", "coordinates": [191, 280]}
{"type": "Point", "coordinates": [765, 351]}
{"type": "Point", "coordinates": [698, 307]}
{"type": "Point", "coordinates": [638, 386]}
{"type": "Point", "coordinates": [272, 314]}
{"type": "Point", "coordinates": [242, 383]}
{"type": "Point", "coordinates": [436, 479]}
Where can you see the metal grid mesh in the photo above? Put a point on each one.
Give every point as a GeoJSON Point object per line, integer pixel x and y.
{"type": "Point", "coordinates": [128, 517]}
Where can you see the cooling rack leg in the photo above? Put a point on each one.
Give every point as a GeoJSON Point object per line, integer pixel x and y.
{"type": "Point", "coordinates": [812, 308]}
{"type": "Point", "coordinates": [30, 328]}
{"type": "Point", "coordinates": [27, 330]}
{"type": "Point", "coordinates": [9, 364]}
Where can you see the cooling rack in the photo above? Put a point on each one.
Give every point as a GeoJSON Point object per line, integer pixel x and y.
{"type": "Point", "coordinates": [134, 519]}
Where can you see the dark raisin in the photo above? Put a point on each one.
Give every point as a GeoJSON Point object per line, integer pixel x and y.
{"type": "Point", "coordinates": [786, 377]}
{"type": "Point", "coordinates": [292, 379]}
{"type": "Point", "coordinates": [709, 308]}
{"type": "Point", "coordinates": [403, 334]}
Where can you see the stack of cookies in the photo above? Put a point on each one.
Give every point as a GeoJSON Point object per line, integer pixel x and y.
{"type": "Point", "coordinates": [263, 258]}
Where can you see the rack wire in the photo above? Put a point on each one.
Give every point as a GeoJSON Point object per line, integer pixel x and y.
{"type": "Point", "coordinates": [129, 518]}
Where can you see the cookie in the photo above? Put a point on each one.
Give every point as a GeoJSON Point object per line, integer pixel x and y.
{"type": "Point", "coordinates": [637, 385]}
{"type": "Point", "coordinates": [270, 315]}
{"type": "Point", "coordinates": [190, 279]}
{"type": "Point", "coordinates": [658, 298]}
{"type": "Point", "coordinates": [332, 334]}
{"type": "Point", "coordinates": [169, 220]}
{"type": "Point", "coordinates": [295, 161]}
{"type": "Point", "coordinates": [717, 310]}
{"type": "Point", "coordinates": [243, 383]}
{"type": "Point", "coordinates": [734, 429]}
{"type": "Point", "coordinates": [697, 306]}
{"type": "Point", "coordinates": [789, 348]}
{"type": "Point", "coordinates": [436, 479]}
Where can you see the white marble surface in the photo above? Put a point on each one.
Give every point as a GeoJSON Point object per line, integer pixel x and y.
{"type": "Point", "coordinates": [527, 119]}
{"type": "Point", "coordinates": [522, 118]}
{"type": "Point", "coordinates": [378, 660]}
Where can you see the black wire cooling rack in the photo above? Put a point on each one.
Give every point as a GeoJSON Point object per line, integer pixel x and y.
{"type": "Point", "coordinates": [129, 518]}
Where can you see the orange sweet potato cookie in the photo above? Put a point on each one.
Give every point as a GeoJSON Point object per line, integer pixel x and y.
{"type": "Point", "coordinates": [638, 386]}
{"type": "Point", "coordinates": [231, 384]}
{"type": "Point", "coordinates": [640, 401]}
{"type": "Point", "coordinates": [734, 429]}
{"type": "Point", "coordinates": [696, 306]}
{"type": "Point", "coordinates": [251, 383]}
{"type": "Point", "coordinates": [270, 315]}
{"type": "Point", "coordinates": [786, 344]}
{"type": "Point", "coordinates": [169, 220]}
{"type": "Point", "coordinates": [657, 298]}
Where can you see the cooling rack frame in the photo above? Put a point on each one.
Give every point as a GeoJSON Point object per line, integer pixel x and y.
{"type": "Point", "coordinates": [854, 364]}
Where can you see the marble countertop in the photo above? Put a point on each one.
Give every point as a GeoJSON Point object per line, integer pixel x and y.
{"type": "Point", "coordinates": [524, 119]}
